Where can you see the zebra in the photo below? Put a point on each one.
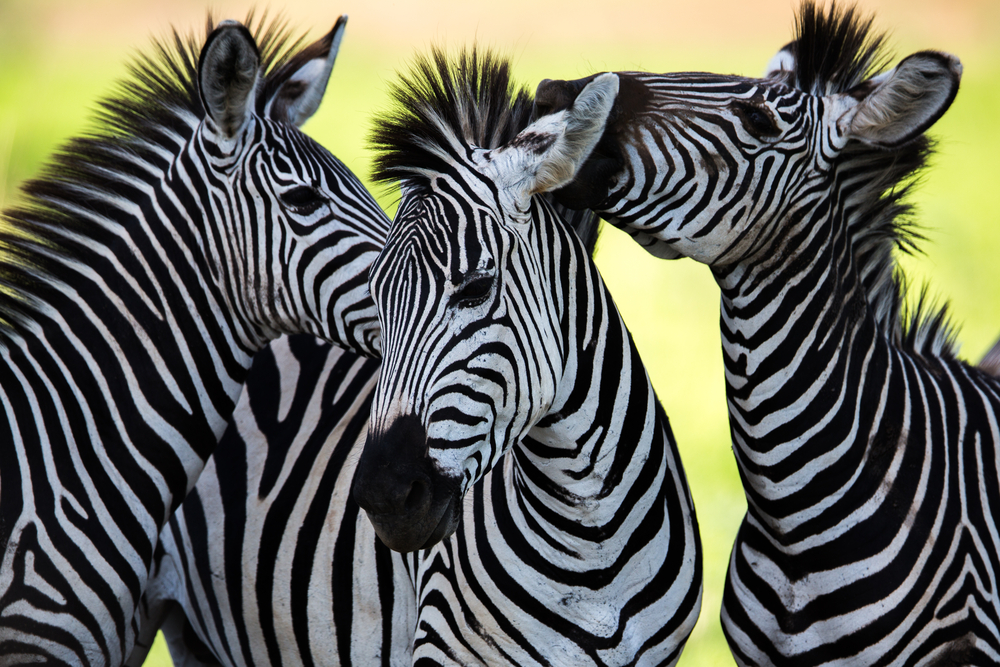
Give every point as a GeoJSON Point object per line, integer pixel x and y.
{"type": "Point", "coordinates": [868, 451]}
{"type": "Point", "coordinates": [236, 587]}
{"type": "Point", "coordinates": [269, 538]}
{"type": "Point", "coordinates": [515, 442]}
{"type": "Point", "coordinates": [146, 266]}
{"type": "Point", "coordinates": [267, 560]}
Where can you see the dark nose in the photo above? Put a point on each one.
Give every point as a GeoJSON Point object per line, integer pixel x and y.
{"type": "Point", "coordinates": [409, 503]}
{"type": "Point", "coordinates": [392, 475]}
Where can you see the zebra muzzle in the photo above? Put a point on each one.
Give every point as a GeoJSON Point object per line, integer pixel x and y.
{"type": "Point", "coordinates": [409, 502]}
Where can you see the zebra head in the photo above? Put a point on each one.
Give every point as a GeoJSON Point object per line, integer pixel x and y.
{"type": "Point", "coordinates": [302, 230]}
{"type": "Point", "coordinates": [466, 287]}
{"type": "Point", "coordinates": [707, 166]}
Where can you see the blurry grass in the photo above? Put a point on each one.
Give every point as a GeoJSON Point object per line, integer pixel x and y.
{"type": "Point", "coordinates": [47, 95]}
{"type": "Point", "coordinates": [158, 656]}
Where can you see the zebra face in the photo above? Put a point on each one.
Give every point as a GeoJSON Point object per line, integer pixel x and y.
{"type": "Point", "coordinates": [469, 305]}
{"type": "Point", "coordinates": [301, 230]}
{"type": "Point", "coordinates": [710, 155]}
{"type": "Point", "coordinates": [471, 356]}
{"type": "Point", "coordinates": [707, 166]}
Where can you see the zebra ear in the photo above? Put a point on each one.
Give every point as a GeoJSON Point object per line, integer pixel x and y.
{"type": "Point", "coordinates": [228, 70]}
{"type": "Point", "coordinates": [547, 154]}
{"type": "Point", "coordinates": [901, 104]}
{"type": "Point", "coordinates": [782, 66]}
{"type": "Point", "coordinates": [292, 93]}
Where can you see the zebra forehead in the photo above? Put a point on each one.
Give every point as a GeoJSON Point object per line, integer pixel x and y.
{"type": "Point", "coordinates": [427, 236]}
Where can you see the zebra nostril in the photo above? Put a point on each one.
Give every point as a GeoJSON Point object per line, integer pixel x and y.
{"type": "Point", "coordinates": [417, 497]}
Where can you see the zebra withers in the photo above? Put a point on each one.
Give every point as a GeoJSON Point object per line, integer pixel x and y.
{"type": "Point", "coordinates": [511, 395]}
{"type": "Point", "coordinates": [868, 452]}
{"type": "Point", "coordinates": [147, 265]}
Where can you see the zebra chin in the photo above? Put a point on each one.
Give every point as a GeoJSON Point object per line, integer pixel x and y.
{"type": "Point", "coordinates": [411, 504]}
{"type": "Point", "coordinates": [406, 533]}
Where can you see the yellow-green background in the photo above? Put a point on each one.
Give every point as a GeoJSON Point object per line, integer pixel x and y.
{"type": "Point", "coordinates": [58, 57]}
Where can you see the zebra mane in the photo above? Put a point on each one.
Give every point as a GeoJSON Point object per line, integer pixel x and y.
{"type": "Point", "coordinates": [443, 107]}
{"type": "Point", "coordinates": [147, 118]}
{"type": "Point", "coordinates": [835, 52]}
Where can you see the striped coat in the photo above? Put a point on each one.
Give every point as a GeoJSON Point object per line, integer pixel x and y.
{"type": "Point", "coordinates": [145, 268]}
{"type": "Point", "coordinates": [867, 450]}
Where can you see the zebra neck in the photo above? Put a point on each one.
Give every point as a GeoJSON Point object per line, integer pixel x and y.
{"type": "Point", "coordinates": [131, 317]}
{"type": "Point", "coordinates": [604, 436]}
{"type": "Point", "coordinates": [799, 340]}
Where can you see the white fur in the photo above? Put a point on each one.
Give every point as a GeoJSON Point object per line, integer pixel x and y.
{"type": "Point", "coordinates": [572, 135]}
{"type": "Point", "coordinates": [782, 62]}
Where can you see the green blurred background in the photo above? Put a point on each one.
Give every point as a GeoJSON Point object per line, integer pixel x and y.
{"type": "Point", "coordinates": [58, 57]}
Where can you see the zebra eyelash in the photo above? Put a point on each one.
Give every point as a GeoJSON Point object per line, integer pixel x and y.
{"type": "Point", "coordinates": [303, 199]}
{"type": "Point", "coordinates": [474, 292]}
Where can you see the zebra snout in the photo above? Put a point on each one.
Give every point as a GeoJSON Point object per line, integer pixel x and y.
{"type": "Point", "coordinates": [410, 504]}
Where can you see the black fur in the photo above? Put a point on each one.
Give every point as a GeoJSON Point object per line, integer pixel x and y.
{"type": "Point", "coordinates": [834, 51]}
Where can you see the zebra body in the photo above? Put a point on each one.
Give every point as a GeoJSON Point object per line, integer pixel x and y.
{"type": "Point", "coordinates": [240, 577]}
{"type": "Point", "coordinates": [144, 270]}
{"type": "Point", "coordinates": [503, 352]}
{"type": "Point", "coordinates": [868, 452]}
{"type": "Point", "coordinates": [268, 560]}
{"type": "Point", "coordinates": [229, 585]}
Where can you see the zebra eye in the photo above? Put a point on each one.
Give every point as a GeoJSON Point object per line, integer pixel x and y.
{"type": "Point", "coordinates": [756, 120]}
{"type": "Point", "coordinates": [474, 292]}
{"type": "Point", "coordinates": [303, 199]}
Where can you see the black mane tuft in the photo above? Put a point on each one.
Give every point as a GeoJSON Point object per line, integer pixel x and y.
{"type": "Point", "coordinates": [835, 51]}
{"type": "Point", "coordinates": [445, 106]}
